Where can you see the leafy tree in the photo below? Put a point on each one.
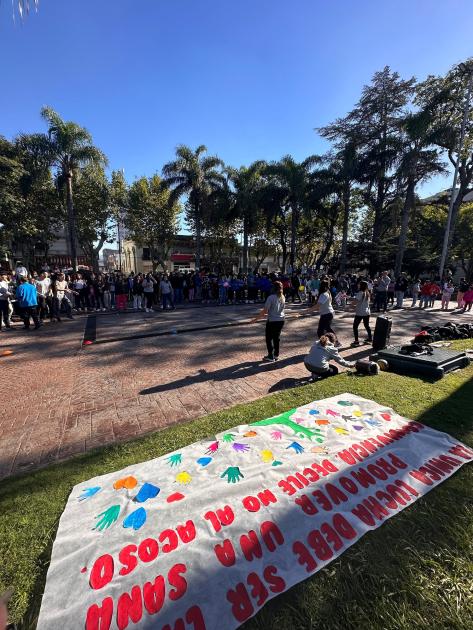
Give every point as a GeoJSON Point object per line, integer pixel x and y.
{"type": "Point", "coordinates": [30, 208]}
{"type": "Point", "coordinates": [195, 175]}
{"type": "Point", "coordinates": [151, 219]}
{"type": "Point", "coordinates": [292, 178]}
{"type": "Point", "coordinates": [419, 161]}
{"type": "Point", "coordinates": [445, 96]}
{"type": "Point", "coordinates": [246, 182]}
{"type": "Point", "coordinates": [93, 211]}
{"type": "Point", "coordinates": [373, 125]}
{"type": "Point", "coordinates": [272, 200]}
{"type": "Point", "coordinates": [68, 147]}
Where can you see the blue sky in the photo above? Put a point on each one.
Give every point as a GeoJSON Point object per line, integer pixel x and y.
{"type": "Point", "coordinates": [248, 78]}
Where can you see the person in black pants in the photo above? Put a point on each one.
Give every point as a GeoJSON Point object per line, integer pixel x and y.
{"type": "Point", "coordinates": [362, 312]}
{"type": "Point", "coordinates": [324, 304]}
{"type": "Point", "coordinates": [274, 310]}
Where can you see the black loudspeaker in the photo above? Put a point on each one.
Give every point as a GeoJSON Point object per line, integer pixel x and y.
{"type": "Point", "coordinates": [363, 366]}
{"type": "Point", "coordinates": [382, 332]}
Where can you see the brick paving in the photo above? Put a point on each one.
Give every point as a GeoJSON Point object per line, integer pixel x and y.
{"type": "Point", "coordinates": [59, 400]}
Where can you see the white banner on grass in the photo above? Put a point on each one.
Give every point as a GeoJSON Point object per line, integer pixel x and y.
{"type": "Point", "coordinates": [203, 537]}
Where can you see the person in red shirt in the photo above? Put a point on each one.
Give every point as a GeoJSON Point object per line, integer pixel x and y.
{"type": "Point", "coordinates": [425, 292]}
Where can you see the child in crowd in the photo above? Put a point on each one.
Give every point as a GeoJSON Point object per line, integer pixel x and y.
{"type": "Point", "coordinates": [448, 289]}
{"type": "Point", "coordinates": [468, 299]}
{"type": "Point", "coordinates": [323, 351]}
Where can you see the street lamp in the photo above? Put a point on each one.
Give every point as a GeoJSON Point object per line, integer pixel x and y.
{"type": "Point", "coordinates": [465, 68]}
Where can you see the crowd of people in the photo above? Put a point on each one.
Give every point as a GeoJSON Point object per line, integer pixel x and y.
{"type": "Point", "coordinates": [55, 293]}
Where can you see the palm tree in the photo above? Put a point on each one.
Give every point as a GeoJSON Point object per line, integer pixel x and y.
{"type": "Point", "coordinates": [419, 161]}
{"type": "Point", "coordinates": [196, 175]}
{"type": "Point", "coordinates": [23, 7]}
{"type": "Point", "coordinates": [292, 177]}
{"type": "Point", "coordinates": [246, 184]}
{"type": "Point", "coordinates": [68, 147]}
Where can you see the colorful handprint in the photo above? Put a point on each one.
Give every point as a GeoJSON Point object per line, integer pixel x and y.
{"type": "Point", "coordinates": [183, 478]}
{"type": "Point", "coordinates": [87, 493]}
{"type": "Point", "coordinates": [107, 518]}
{"type": "Point", "coordinates": [341, 431]}
{"type": "Point", "coordinates": [240, 448]}
{"type": "Point", "coordinates": [229, 437]}
{"type": "Point", "coordinates": [127, 482]}
{"type": "Point", "coordinates": [174, 460]}
{"type": "Point", "coordinates": [213, 448]}
{"type": "Point", "coordinates": [136, 519]}
{"type": "Point", "coordinates": [322, 422]}
{"type": "Point", "coordinates": [147, 491]}
{"type": "Point", "coordinates": [204, 461]}
{"type": "Point", "coordinates": [266, 456]}
{"type": "Point", "coordinates": [357, 414]}
{"type": "Point", "coordinates": [321, 450]}
{"type": "Point", "coordinates": [250, 434]}
{"type": "Point", "coordinates": [276, 463]}
{"type": "Point", "coordinates": [345, 403]}
{"type": "Point", "coordinates": [296, 446]}
{"type": "Point", "coordinates": [276, 435]}
{"type": "Point", "coordinates": [233, 474]}
{"type": "Point", "coordinates": [330, 412]}
{"type": "Point", "coordinates": [314, 412]}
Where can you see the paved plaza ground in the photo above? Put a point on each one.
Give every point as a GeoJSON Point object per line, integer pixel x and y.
{"type": "Point", "coordinates": [60, 398]}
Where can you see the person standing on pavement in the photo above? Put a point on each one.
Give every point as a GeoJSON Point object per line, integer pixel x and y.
{"type": "Point", "coordinates": [415, 292]}
{"type": "Point", "coordinates": [27, 298]}
{"type": "Point", "coordinates": [362, 312]}
{"type": "Point", "coordinates": [61, 292]}
{"type": "Point", "coordinates": [382, 292]}
{"type": "Point", "coordinates": [324, 304]}
{"type": "Point", "coordinates": [400, 289]}
{"type": "Point", "coordinates": [43, 287]}
{"type": "Point", "coordinates": [166, 292]}
{"type": "Point", "coordinates": [462, 289]}
{"type": "Point", "coordinates": [148, 290]}
{"type": "Point", "coordinates": [5, 295]}
{"type": "Point", "coordinates": [274, 311]}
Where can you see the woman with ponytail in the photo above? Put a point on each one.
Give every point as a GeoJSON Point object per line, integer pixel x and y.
{"type": "Point", "coordinates": [274, 310]}
{"type": "Point", "coordinates": [324, 304]}
{"type": "Point", "coordinates": [362, 312]}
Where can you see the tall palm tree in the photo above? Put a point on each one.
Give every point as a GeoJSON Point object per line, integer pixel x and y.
{"type": "Point", "coordinates": [196, 175]}
{"type": "Point", "coordinates": [292, 176]}
{"type": "Point", "coordinates": [68, 147]}
{"type": "Point", "coordinates": [246, 182]}
{"type": "Point", "coordinates": [419, 161]}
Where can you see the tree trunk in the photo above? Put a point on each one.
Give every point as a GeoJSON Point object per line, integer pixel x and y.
{"type": "Point", "coordinates": [346, 217]}
{"type": "Point", "coordinates": [245, 245]}
{"type": "Point", "coordinates": [282, 241]}
{"type": "Point", "coordinates": [405, 214]}
{"type": "Point", "coordinates": [198, 239]}
{"type": "Point", "coordinates": [71, 219]}
{"type": "Point", "coordinates": [294, 226]}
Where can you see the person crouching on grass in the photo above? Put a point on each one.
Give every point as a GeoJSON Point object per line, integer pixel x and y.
{"type": "Point", "coordinates": [274, 310]}
{"type": "Point", "coordinates": [322, 352]}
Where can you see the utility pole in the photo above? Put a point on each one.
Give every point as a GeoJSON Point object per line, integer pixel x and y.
{"type": "Point", "coordinates": [466, 111]}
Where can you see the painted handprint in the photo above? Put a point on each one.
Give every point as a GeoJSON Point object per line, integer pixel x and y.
{"type": "Point", "coordinates": [266, 456]}
{"type": "Point", "coordinates": [136, 519]}
{"type": "Point", "coordinates": [183, 478]}
{"type": "Point", "coordinates": [174, 460]}
{"type": "Point", "coordinates": [233, 474]}
{"type": "Point", "coordinates": [204, 461]}
{"type": "Point", "coordinates": [127, 482]}
{"type": "Point", "coordinates": [341, 431]}
{"type": "Point", "coordinates": [87, 493]}
{"type": "Point", "coordinates": [345, 403]}
{"type": "Point", "coordinates": [107, 518]}
{"type": "Point", "coordinates": [330, 412]}
{"type": "Point", "coordinates": [296, 446]}
{"type": "Point", "coordinates": [276, 435]}
{"type": "Point", "coordinates": [229, 437]}
{"type": "Point", "coordinates": [147, 491]}
{"type": "Point", "coordinates": [250, 434]}
{"type": "Point", "coordinates": [213, 448]}
{"type": "Point", "coordinates": [240, 448]}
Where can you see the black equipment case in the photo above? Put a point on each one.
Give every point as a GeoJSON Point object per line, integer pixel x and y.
{"type": "Point", "coordinates": [435, 365]}
{"type": "Point", "coordinates": [382, 332]}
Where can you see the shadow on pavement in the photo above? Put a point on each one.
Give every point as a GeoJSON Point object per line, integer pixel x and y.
{"type": "Point", "coordinates": [241, 370]}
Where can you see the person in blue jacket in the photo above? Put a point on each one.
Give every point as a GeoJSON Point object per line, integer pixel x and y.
{"type": "Point", "coordinates": [27, 298]}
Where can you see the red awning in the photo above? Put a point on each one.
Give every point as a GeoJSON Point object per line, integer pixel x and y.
{"type": "Point", "coordinates": [182, 257]}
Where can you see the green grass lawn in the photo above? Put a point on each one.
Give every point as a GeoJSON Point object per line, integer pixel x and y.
{"type": "Point", "coordinates": [416, 571]}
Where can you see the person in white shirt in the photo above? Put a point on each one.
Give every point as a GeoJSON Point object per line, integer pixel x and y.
{"type": "Point", "coordinates": [61, 293]}
{"type": "Point", "coordinates": [322, 352]}
{"type": "Point", "coordinates": [43, 287]}
{"type": "Point", "coordinates": [324, 304]}
{"type": "Point", "coordinates": [148, 290]}
{"type": "Point", "coordinates": [362, 312]}
{"type": "Point", "coordinates": [5, 295]}
{"type": "Point", "coordinates": [20, 271]}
